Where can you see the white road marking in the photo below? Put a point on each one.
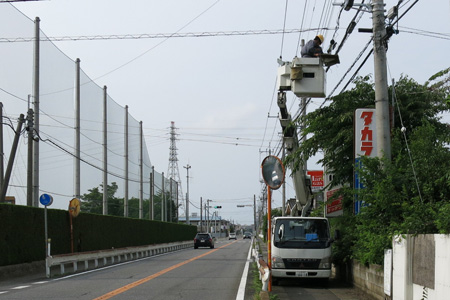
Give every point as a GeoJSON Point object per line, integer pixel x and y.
{"type": "Point", "coordinates": [20, 287]}
{"type": "Point", "coordinates": [241, 291]}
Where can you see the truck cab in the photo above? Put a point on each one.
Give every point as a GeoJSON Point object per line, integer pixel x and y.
{"type": "Point", "coordinates": [301, 248]}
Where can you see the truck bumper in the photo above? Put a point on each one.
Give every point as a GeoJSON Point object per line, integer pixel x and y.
{"type": "Point", "coordinates": [295, 273]}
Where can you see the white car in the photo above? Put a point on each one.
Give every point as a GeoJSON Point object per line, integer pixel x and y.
{"type": "Point", "coordinates": [232, 236]}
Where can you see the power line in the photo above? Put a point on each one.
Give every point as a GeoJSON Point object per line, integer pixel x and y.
{"type": "Point", "coordinates": [161, 35]}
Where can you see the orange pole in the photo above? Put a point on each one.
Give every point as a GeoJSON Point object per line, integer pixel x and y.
{"type": "Point", "coordinates": [269, 232]}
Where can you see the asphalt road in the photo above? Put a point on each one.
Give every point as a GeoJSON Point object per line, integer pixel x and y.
{"type": "Point", "coordinates": [202, 273]}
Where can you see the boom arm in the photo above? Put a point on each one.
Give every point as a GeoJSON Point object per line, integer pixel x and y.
{"type": "Point", "coordinates": [302, 190]}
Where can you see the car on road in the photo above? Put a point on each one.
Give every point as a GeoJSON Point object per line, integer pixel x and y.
{"type": "Point", "coordinates": [247, 235]}
{"type": "Point", "coordinates": [203, 240]}
{"type": "Point", "coordinates": [232, 236]}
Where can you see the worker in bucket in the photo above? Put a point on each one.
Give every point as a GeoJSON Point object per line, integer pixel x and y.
{"type": "Point", "coordinates": [312, 48]}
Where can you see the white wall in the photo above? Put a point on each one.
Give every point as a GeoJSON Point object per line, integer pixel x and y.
{"type": "Point", "coordinates": [402, 286]}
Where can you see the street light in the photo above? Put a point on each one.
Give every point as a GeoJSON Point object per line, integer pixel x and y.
{"type": "Point", "coordinates": [187, 167]}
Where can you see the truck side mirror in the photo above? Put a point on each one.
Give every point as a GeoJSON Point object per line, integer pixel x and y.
{"type": "Point", "coordinates": [280, 231]}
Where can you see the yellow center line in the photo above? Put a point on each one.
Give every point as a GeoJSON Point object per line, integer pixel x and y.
{"type": "Point", "coordinates": [148, 278]}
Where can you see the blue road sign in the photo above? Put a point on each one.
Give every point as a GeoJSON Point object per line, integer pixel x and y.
{"type": "Point", "coordinates": [46, 199]}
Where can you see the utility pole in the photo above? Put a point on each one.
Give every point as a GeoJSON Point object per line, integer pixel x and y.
{"type": "Point", "coordinates": [30, 158]}
{"type": "Point", "coordinates": [254, 214]}
{"type": "Point", "coordinates": [207, 215]}
{"type": "Point", "coordinates": [141, 171]}
{"type": "Point", "coordinates": [163, 199]}
{"type": "Point", "coordinates": [152, 193]}
{"type": "Point", "coordinates": [187, 167]}
{"type": "Point", "coordinates": [150, 206]}
{"type": "Point", "coordinates": [201, 215]}
{"type": "Point", "coordinates": [105, 152]}
{"type": "Point", "coordinates": [170, 200]}
{"type": "Point", "coordinates": [5, 183]}
{"type": "Point", "coordinates": [381, 86]}
{"type": "Point", "coordinates": [125, 196]}
{"type": "Point", "coordinates": [36, 84]}
{"type": "Point", "coordinates": [77, 190]}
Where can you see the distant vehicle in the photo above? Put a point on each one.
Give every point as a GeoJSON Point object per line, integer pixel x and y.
{"type": "Point", "coordinates": [232, 235]}
{"type": "Point", "coordinates": [203, 240]}
{"type": "Point", "coordinates": [247, 235]}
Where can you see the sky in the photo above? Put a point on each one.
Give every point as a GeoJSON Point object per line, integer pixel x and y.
{"type": "Point", "coordinates": [220, 89]}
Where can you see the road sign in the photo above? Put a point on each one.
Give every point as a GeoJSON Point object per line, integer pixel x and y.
{"type": "Point", "coordinates": [46, 199]}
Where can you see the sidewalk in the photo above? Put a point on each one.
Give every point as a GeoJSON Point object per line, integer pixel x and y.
{"type": "Point", "coordinates": [342, 291]}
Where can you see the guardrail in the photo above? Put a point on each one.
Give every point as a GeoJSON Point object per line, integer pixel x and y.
{"type": "Point", "coordinates": [83, 261]}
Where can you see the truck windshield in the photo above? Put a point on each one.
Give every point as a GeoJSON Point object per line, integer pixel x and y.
{"type": "Point", "coordinates": [301, 233]}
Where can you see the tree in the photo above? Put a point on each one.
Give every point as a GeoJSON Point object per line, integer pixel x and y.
{"type": "Point", "coordinates": [420, 163]}
{"type": "Point", "coordinates": [92, 202]}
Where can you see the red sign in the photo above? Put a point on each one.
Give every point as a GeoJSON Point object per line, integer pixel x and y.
{"type": "Point", "coordinates": [365, 133]}
{"type": "Point", "coordinates": [335, 207]}
{"type": "Point", "coordinates": [316, 179]}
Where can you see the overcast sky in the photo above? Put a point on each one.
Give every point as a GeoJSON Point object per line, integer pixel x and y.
{"type": "Point", "coordinates": [220, 90]}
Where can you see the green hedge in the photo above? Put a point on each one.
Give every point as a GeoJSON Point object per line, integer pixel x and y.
{"type": "Point", "coordinates": [22, 234]}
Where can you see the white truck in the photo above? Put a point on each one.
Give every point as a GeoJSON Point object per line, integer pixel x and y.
{"type": "Point", "coordinates": [301, 248]}
{"type": "Point", "coordinates": [300, 245]}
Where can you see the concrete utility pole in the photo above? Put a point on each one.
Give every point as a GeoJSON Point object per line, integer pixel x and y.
{"type": "Point", "coordinates": [163, 199]}
{"type": "Point", "coordinates": [29, 160]}
{"type": "Point", "coordinates": [188, 222]}
{"type": "Point", "coordinates": [152, 193]}
{"type": "Point", "coordinates": [254, 214]}
{"type": "Point", "coordinates": [170, 200]}
{"type": "Point", "coordinates": [36, 111]}
{"type": "Point", "coordinates": [381, 86]}
{"type": "Point", "coordinates": [125, 196]}
{"type": "Point", "coordinates": [5, 183]}
{"type": "Point", "coordinates": [105, 151]}
{"type": "Point", "coordinates": [141, 171]}
{"type": "Point", "coordinates": [201, 215]}
{"type": "Point", "coordinates": [76, 159]}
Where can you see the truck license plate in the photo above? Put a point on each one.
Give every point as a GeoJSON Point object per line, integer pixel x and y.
{"type": "Point", "coordinates": [302, 274]}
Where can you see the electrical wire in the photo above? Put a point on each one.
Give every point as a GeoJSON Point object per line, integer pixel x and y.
{"type": "Point", "coordinates": [394, 95]}
{"type": "Point", "coordinates": [301, 28]}
{"type": "Point", "coordinates": [284, 27]}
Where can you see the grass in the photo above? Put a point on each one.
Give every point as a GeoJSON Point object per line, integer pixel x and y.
{"type": "Point", "coordinates": [257, 284]}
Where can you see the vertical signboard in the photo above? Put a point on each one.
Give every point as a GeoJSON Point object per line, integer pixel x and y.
{"type": "Point", "coordinates": [316, 180]}
{"type": "Point", "coordinates": [334, 207]}
{"type": "Point", "coordinates": [365, 143]}
{"type": "Point", "coordinates": [365, 133]}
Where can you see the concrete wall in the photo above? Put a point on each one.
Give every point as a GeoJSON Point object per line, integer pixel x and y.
{"type": "Point", "coordinates": [369, 279]}
{"type": "Point", "coordinates": [420, 270]}
{"type": "Point", "coordinates": [414, 257]}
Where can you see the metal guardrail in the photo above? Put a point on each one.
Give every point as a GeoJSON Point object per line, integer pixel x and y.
{"type": "Point", "coordinates": [83, 261]}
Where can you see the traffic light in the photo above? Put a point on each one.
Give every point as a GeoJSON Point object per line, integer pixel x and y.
{"type": "Point", "coordinates": [217, 206]}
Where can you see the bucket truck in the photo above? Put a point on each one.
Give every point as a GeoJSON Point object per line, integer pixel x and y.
{"type": "Point", "coordinates": [301, 245]}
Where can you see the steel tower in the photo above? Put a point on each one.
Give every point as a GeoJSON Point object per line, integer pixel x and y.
{"type": "Point", "coordinates": [173, 171]}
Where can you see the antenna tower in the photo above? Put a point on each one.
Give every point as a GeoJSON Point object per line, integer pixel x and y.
{"type": "Point", "coordinates": [173, 171]}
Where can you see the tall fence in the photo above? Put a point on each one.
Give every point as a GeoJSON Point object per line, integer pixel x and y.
{"type": "Point", "coordinates": [128, 161]}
